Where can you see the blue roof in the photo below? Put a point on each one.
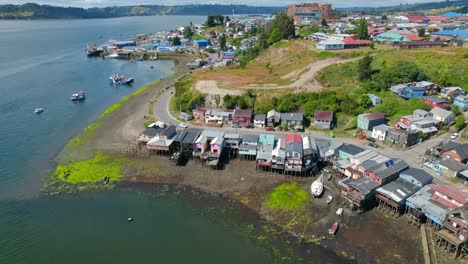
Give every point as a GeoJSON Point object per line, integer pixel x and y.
{"type": "Point", "coordinates": [124, 43]}
{"type": "Point", "coordinates": [201, 41]}
{"type": "Point", "coordinates": [452, 14]}
{"type": "Point", "coordinates": [453, 32]}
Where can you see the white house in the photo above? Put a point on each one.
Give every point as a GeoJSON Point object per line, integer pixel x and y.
{"type": "Point", "coordinates": [330, 45]}
{"type": "Point", "coordinates": [380, 132]}
{"type": "Point", "coordinates": [260, 120]}
{"type": "Point", "coordinates": [442, 115]}
{"type": "Point", "coordinates": [217, 116]}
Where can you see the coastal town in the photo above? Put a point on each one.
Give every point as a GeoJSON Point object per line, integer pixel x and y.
{"type": "Point", "coordinates": [406, 163]}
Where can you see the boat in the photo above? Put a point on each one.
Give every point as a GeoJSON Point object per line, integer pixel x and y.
{"type": "Point", "coordinates": [38, 110]}
{"type": "Point", "coordinates": [329, 199]}
{"type": "Point", "coordinates": [106, 180]}
{"type": "Point", "coordinates": [120, 79]}
{"type": "Point", "coordinates": [317, 187]}
{"type": "Point", "coordinates": [114, 56]}
{"type": "Point", "coordinates": [93, 51]}
{"type": "Point", "coordinates": [79, 96]}
{"type": "Point", "coordinates": [339, 212]}
{"type": "Point", "coordinates": [333, 229]}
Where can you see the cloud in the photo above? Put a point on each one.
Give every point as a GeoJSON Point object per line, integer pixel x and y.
{"type": "Point", "coordinates": [101, 3]}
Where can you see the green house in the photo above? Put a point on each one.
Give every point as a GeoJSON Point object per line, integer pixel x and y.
{"type": "Point", "coordinates": [368, 121]}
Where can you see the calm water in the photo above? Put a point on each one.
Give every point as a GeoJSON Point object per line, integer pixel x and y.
{"type": "Point", "coordinates": [41, 64]}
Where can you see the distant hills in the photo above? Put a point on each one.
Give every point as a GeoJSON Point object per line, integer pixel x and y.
{"type": "Point", "coordinates": [459, 6]}
{"type": "Point", "coordinates": [35, 11]}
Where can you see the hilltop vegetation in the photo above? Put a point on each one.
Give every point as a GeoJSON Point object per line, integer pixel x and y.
{"type": "Point", "coordinates": [35, 11]}
{"type": "Point", "coordinates": [444, 6]}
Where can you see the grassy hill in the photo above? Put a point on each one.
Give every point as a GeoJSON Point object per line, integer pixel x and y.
{"type": "Point", "coordinates": [430, 7]}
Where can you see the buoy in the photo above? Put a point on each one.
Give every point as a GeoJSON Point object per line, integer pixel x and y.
{"type": "Point", "coordinates": [130, 219]}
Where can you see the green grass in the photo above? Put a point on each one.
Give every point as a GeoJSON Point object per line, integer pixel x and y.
{"type": "Point", "coordinates": [84, 137]}
{"type": "Point", "coordinates": [325, 55]}
{"type": "Point", "coordinates": [92, 170]}
{"type": "Point", "coordinates": [282, 44]}
{"type": "Point", "coordinates": [288, 197]}
{"type": "Point", "coordinates": [119, 104]}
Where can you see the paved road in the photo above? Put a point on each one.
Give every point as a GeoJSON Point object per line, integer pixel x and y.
{"type": "Point", "coordinates": [412, 156]}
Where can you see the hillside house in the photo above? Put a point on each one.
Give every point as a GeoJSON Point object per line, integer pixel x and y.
{"type": "Point", "coordinates": [455, 151]}
{"type": "Point", "coordinates": [375, 100]}
{"type": "Point", "coordinates": [273, 118]}
{"type": "Point", "coordinates": [436, 102]}
{"type": "Point", "coordinates": [330, 44]}
{"type": "Point", "coordinates": [451, 92]}
{"type": "Point", "coordinates": [402, 137]}
{"type": "Point", "coordinates": [218, 117]}
{"type": "Point", "coordinates": [199, 114]}
{"type": "Point", "coordinates": [368, 121]}
{"type": "Point", "coordinates": [411, 92]}
{"type": "Point", "coordinates": [260, 120]}
{"type": "Point", "coordinates": [419, 44]}
{"type": "Point", "coordinates": [242, 117]}
{"type": "Point", "coordinates": [444, 116]}
{"type": "Point", "coordinates": [323, 119]}
{"type": "Point", "coordinates": [462, 102]}
{"type": "Point", "coordinates": [380, 132]}
{"type": "Point", "coordinates": [293, 121]}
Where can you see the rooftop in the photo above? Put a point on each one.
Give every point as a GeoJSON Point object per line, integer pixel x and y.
{"type": "Point", "coordinates": [373, 116]}
{"type": "Point", "coordinates": [323, 115]}
{"type": "Point", "coordinates": [292, 116]}
{"type": "Point", "coordinates": [398, 190]}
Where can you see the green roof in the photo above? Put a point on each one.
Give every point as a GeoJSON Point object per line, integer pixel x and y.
{"type": "Point", "coordinates": [266, 139]}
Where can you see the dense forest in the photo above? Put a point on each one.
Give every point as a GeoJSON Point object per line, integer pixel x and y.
{"type": "Point", "coordinates": [35, 11]}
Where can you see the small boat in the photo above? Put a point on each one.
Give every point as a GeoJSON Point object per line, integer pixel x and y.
{"type": "Point", "coordinates": [333, 229]}
{"type": "Point", "coordinates": [38, 110]}
{"type": "Point", "coordinates": [317, 187]}
{"type": "Point", "coordinates": [129, 219]}
{"type": "Point", "coordinates": [114, 56]}
{"type": "Point", "coordinates": [106, 180]}
{"type": "Point", "coordinates": [339, 212]}
{"type": "Point", "coordinates": [329, 199]}
{"type": "Point", "coordinates": [81, 95]}
{"type": "Point", "coordinates": [120, 79]}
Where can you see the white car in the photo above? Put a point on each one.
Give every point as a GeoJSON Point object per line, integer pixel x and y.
{"type": "Point", "coordinates": [182, 125]}
{"type": "Point", "coordinates": [454, 135]}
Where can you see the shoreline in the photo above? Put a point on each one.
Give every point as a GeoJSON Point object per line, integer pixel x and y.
{"type": "Point", "coordinates": [113, 132]}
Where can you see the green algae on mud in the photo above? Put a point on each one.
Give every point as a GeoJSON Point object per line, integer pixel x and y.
{"type": "Point", "coordinates": [288, 197]}
{"type": "Point", "coordinates": [92, 170]}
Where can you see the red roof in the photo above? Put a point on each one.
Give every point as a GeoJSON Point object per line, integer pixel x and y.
{"type": "Point", "coordinates": [293, 138]}
{"type": "Point", "coordinates": [323, 115]}
{"type": "Point", "coordinates": [200, 110]}
{"type": "Point", "coordinates": [240, 113]}
{"type": "Point", "coordinates": [413, 37]}
{"type": "Point", "coordinates": [416, 18]}
{"type": "Point", "coordinates": [437, 18]}
{"type": "Point", "coordinates": [451, 192]}
{"type": "Point", "coordinates": [352, 41]}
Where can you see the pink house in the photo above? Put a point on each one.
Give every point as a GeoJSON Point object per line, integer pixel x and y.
{"type": "Point", "coordinates": [199, 114]}
{"type": "Point", "coordinates": [216, 146]}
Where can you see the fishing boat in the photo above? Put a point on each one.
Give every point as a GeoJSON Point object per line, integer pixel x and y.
{"type": "Point", "coordinates": [332, 230]}
{"type": "Point", "coordinates": [317, 187]}
{"type": "Point", "coordinates": [120, 79]}
{"type": "Point", "coordinates": [114, 56]}
{"type": "Point", "coordinates": [38, 110]}
{"type": "Point", "coordinates": [329, 199]}
{"type": "Point", "coordinates": [79, 96]}
{"type": "Point", "coordinates": [93, 51]}
{"type": "Point", "coordinates": [339, 212]}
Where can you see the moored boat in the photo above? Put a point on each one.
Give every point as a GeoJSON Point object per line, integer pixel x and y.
{"type": "Point", "coordinates": [81, 95]}
{"type": "Point", "coordinates": [106, 180]}
{"type": "Point", "coordinates": [332, 230]}
{"type": "Point", "coordinates": [38, 110]}
{"type": "Point", "coordinates": [317, 187]}
{"type": "Point", "coordinates": [120, 79]}
{"type": "Point", "coordinates": [93, 51]}
{"type": "Point", "coordinates": [329, 199]}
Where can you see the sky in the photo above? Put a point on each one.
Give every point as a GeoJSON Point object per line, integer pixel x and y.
{"type": "Point", "coordinates": [102, 3]}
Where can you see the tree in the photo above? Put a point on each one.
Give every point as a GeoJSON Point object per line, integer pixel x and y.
{"type": "Point", "coordinates": [362, 30]}
{"type": "Point", "coordinates": [372, 45]}
{"type": "Point", "coordinates": [422, 32]}
{"type": "Point", "coordinates": [275, 36]}
{"type": "Point", "coordinates": [222, 42]}
{"type": "Point", "coordinates": [460, 122]}
{"type": "Point", "coordinates": [188, 32]}
{"type": "Point", "coordinates": [176, 41]}
{"type": "Point", "coordinates": [324, 23]}
{"type": "Point", "coordinates": [384, 18]}
{"type": "Point", "coordinates": [365, 68]}
{"type": "Point", "coordinates": [227, 19]}
{"type": "Point", "coordinates": [284, 24]}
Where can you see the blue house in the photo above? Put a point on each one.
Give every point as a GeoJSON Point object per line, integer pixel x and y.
{"type": "Point", "coordinates": [201, 43]}
{"type": "Point", "coordinates": [411, 92]}
{"type": "Point", "coordinates": [462, 102]}
{"type": "Point", "coordinates": [416, 176]}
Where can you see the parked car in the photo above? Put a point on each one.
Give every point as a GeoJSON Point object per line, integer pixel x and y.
{"type": "Point", "coordinates": [373, 145]}
{"type": "Point", "coordinates": [248, 126]}
{"type": "Point", "coordinates": [269, 129]}
{"type": "Point", "coordinates": [362, 136]}
{"type": "Point", "coordinates": [235, 125]}
{"type": "Point", "coordinates": [182, 125]}
{"type": "Point", "coordinates": [454, 135]}
{"type": "Point", "coordinates": [371, 139]}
